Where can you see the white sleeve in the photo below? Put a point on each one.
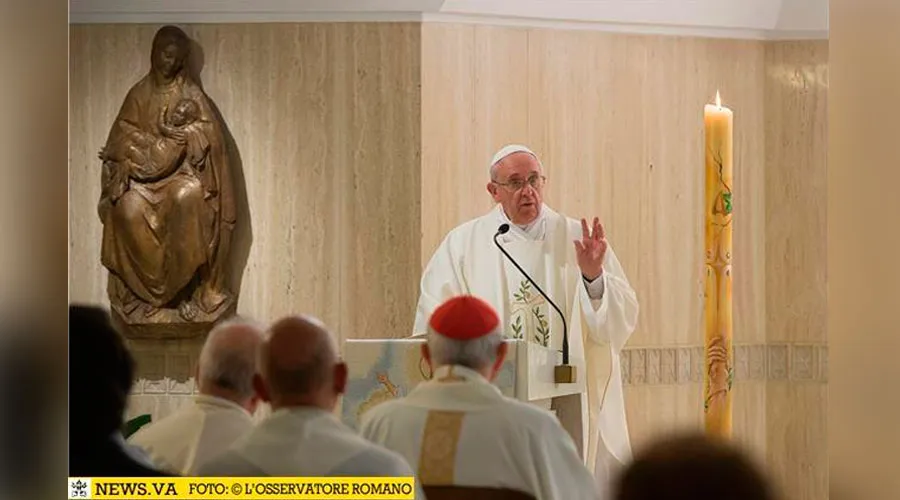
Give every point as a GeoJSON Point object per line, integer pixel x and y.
{"type": "Point", "coordinates": [612, 318]}
{"type": "Point", "coordinates": [441, 280]}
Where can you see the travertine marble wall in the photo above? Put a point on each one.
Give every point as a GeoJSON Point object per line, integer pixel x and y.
{"type": "Point", "coordinates": [796, 144]}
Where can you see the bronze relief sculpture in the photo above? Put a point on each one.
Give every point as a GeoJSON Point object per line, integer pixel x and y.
{"type": "Point", "coordinates": [167, 202]}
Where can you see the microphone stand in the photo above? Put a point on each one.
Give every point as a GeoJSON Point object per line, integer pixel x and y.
{"type": "Point", "coordinates": [564, 373]}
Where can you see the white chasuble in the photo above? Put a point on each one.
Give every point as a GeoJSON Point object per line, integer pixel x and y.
{"type": "Point", "coordinates": [188, 438]}
{"type": "Point", "coordinates": [306, 442]}
{"type": "Point", "coordinates": [468, 262]}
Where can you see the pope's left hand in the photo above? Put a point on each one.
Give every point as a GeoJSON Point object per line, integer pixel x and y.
{"type": "Point", "coordinates": [591, 250]}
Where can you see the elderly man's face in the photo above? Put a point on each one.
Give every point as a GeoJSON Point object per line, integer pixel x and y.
{"type": "Point", "coordinates": [518, 186]}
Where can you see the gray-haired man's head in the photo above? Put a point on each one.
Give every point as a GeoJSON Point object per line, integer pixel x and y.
{"type": "Point", "coordinates": [478, 354]}
{"type": "Point", "coordinates": [466, 331]}
{"type": "Point", "coordinates": [229, 361]}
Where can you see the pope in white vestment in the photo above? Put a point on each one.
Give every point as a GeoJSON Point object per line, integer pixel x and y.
{"type": "Point", "coordinates": [458, 429]}
{"type": "Point", "coordinates": [573, 264]}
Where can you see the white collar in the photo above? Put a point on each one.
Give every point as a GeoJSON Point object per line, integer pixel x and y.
{"type": "Point", "coordinates": [456, 373]}
{"type": "Point", "coordinates": [535, 230]}
{"type": "Point", "coordinates": [455, 387]}
{"type": "Point", "coordinates": [220, 403]}
{"type": "Point", "coordinates": [304, 413]}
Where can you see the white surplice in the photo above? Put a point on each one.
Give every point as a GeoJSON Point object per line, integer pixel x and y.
{"type": "Point", "coordinates": [459, 429]}
{"type": "Point", "coordinates": [467, 262]}
{"type": "Point", "coordinates": [306, 442]}
{"type": "Point", "coordinates": [189, 437]}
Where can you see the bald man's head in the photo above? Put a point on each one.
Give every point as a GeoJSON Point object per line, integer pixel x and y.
{"type": "Point", "coordinates": [299, 364]}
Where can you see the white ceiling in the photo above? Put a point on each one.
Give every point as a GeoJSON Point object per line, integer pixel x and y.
{"type": "Point", "coordinates": [726, 18]}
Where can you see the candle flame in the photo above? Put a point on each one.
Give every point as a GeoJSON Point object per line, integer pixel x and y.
{"type": "Point", "coordinates": [718, 100]}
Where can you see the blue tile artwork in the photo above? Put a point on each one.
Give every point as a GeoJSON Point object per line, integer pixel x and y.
{"type": "Point", "coordinates": [381, 370]}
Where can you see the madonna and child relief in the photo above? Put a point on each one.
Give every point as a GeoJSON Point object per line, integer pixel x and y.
{"type": "Point", "coordinates": [167, 203]}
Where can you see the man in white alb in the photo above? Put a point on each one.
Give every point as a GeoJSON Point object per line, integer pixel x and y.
{"type": "Point", "coordinates": [457, 429]}
{"type": "Point", "coordinates": [573, 263]}
{"type": "Point", "coordinates": [220, 414]}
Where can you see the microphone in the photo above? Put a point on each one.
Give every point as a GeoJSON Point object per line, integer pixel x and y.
{"type": "Point", "coordinates": [563, 373]}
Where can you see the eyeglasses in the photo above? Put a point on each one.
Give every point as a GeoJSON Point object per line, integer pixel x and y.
{"type": "Point", "coordinates": [535, 181]}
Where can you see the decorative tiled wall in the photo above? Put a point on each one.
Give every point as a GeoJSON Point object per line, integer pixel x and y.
{"type": "Point", "coordinates": [684, 365]}
{"type": "Point", "coordinates": [648, 366]}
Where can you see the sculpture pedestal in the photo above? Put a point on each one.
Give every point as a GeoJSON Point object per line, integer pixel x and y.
{"type": "Point", "coordinates": [166, 324]}
{"type": "Point", "coordinates": [173, 359]}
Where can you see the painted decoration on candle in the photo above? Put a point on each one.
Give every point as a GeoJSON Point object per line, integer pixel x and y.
{"type": "Point", "coordinates": [719, 363]}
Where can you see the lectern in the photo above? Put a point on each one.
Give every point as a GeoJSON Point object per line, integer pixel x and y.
{"type": "Point", "coordinates": [384, 369]}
